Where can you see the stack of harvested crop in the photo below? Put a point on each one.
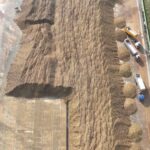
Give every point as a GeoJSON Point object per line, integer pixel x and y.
{"type": "Point", "coordinates": [120, 22]}
{"type": "Point", "coordinates": [123, 53]}
{"type": "Point", "coordinates": [135, 132]}
{"type": "Point", "coordinates": [130, 106]}
{"type": "Point", "coordinates": [135, 147]}
{"type": "Point", "coordinates": [125, 70]}
{"type": "Point", "coordinates": [120, 35]}
{"type": "Point", "coordinates": [129, 90]}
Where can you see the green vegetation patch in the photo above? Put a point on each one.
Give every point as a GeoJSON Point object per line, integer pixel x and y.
{"type": "Point", "coordinates": [147, 11]}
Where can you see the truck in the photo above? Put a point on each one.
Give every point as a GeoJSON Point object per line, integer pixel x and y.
{"type": "Point", "coordinates": [133, 36]}
{"type": "Point", "coordinates": [132, 49]}
{"type": "Point", "coordinates": [138, 45]}
{"type": "Point", "coordinates": [141, 86]}
{"type": "Point", "coordinates": [130, 32]}
{"type": "Point", "coordinates": [139, 81]}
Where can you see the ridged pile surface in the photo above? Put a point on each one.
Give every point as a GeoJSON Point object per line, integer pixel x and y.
{"type": "Point", "coordinates": [70, 45]}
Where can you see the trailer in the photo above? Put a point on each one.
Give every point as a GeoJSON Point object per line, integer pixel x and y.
{"type": "Point", "coordinates": [139, 81]}
{"type": "Point", "coordinates": [132, 49]}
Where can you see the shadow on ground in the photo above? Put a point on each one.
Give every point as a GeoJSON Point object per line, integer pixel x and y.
{"type": "Point", "coordinates": [34, 90]}
{"type": "Point", "coordinates": [146, 102]}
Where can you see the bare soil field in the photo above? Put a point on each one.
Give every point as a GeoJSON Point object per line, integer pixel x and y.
{"type": "Point", "coordinates": [32, 124]}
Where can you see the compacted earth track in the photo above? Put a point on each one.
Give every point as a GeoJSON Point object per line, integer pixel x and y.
{"type": "Point", "coordinates": [131, 11]}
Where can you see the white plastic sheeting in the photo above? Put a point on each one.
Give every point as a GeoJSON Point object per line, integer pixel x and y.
{"type": "Point", "coordinates": [10, 36]}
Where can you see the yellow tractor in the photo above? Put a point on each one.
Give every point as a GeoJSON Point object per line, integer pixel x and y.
{"type": "Point", "coordinates": [130, 32]}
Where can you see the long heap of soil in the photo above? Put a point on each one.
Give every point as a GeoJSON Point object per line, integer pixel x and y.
{"type": "Point", "coordinates": [71, 44]}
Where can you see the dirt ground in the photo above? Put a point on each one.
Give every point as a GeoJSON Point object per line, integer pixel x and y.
{"type": "Point", "coordinates": [32, 124]}
{"type": "Point", "coordinates": [130, 11]}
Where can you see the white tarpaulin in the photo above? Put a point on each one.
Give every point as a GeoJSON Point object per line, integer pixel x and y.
{"type": "Point", "coordinates": [10, 36]}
